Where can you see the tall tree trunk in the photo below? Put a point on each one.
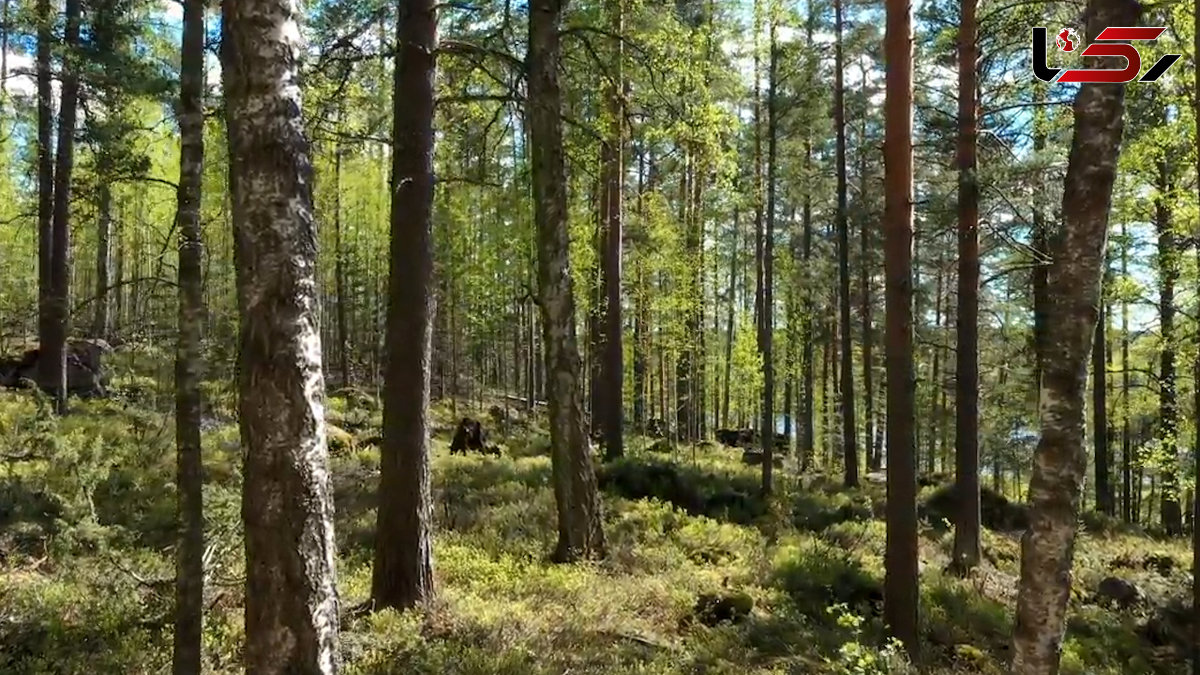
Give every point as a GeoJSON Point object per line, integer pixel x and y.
{"type": "Point", "coordinates": [900, 559]}
{"type": "Point", "coordinates": [699, 414]}
{"type": "Point", "coordinates": [684, 363]}
{"type": "Point", "coordinates": [966, 455]}
{"type": "Point", "coordinates": [1126, 427]}
{"type": "Point", "coordinates": [1168, 429]}
{"type": "Point", "coordinates": [189, 358]}
{"type": "Point", "coordinates": [874, 459]}
{"type": "Point", "coordinates": [45, 159]}
{"type": "Point", "coordinates": [1073, 289]}
{"type": "Point", "coordinates": [1041, 246]}
{"type": "Point", "coordinates": [1100, 412]}
{"type": "Point", "coordinates": [613, 170]}
{"type": "Point", "coordinates": [826, 402]}
{"type": "Point", "coordinates": [849, 428]}
{"type": "Point", "coordinates": [766, 334]}
{"type": "Point", "coordinates": [339, 269]}
{"type": "Point", "coordinates": [807, 443]}
{"type": "Point", "coordinates": [102, 321]}
{"type": "Point", "coordinates": [53, 361]}
{"type": "Point", "coordinates": [291, 620]}
{"type": "Point", "coordinates": [402, 576]}
{"type": "Point", "coordinates": [1196, 382]}
{"type": "Point", "coordinates": [579, 518]}
{"type": "Point", "coordinates": [4, 17]}
{"type": "Point", "coordinates": [641, 309]}
{"type": "Point", "coordinates": [759, 202]}
{"type": "Point", "coordinates": [593, 363]}
{"type": "Point", "coordinates": [733, 268]}
{"type": "Point", "coordinates": [937, 389]}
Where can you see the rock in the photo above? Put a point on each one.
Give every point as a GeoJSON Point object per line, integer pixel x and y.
{"type": "Point", "coordinates": [713, 609]}
{"type": "Point", "coordinates": [85, 369]}
{"type": "Point", "coordinates": [1114, 590]}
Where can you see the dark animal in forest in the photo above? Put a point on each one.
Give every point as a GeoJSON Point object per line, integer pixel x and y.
{"type": "Point", "coordinates": [736, 438]}
{"type": "Point", "coordinates": [86, 377]}
{"type": "Point", "coordinates": [469, 435]}
{"type": "Point", "coordinates": [748, 438]}
{"type": "Point", "coordinates": [1119, 592]}
{"type": "Point", "coordinates": [657, 428]}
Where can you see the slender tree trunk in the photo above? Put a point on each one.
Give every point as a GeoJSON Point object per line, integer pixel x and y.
{"type": "Point", "coordinates": [918, 326]}
{"type": "Point", "coordinates": [766, 335]}
{"type": "Point", "coordinates": [189, 359]}
{"type": "Point", "coordinates": [53, 361]}
{"type": "Point", "coordinates": [966, 455]}
{"type": "Point", "coordinates": [937, 388]}
{"type": "Point", "coordinates": [641, 310]}
{"type": "Point", "coordinates": [900, 559]}
{"type": "Point", "coordinates": [1126, 428]}
{"type": "Point", "coordinates": [1073, 285]}
{"type": "Point", "coordinates": [733, 267]}
{"type": "Point", "coordinates": [291, 620]}
{"type": "Point", "coordinates": [102, 322]}
{"type": "Point", "coordinates": [807, 444]}
{"type": "Point", "coordinates": [579, 517]}
{"type": "Point", "coordinates": [849, 428]}
{"type": "Point", "coordinates": [826, 402]}
{"type": "Point", "coordinates": [402, 576]}
{"type": "Point", "coordinates": [874, 460]}
{"type": "Point", "coordinates": [1100, 412]}
{"type": "Point", "coordinates": [4, 17]}
{"type": "Point", "coordinates": [1196, 382]}
{"type": "Point", "coordinates": [683, 364]}
{"type": "Point", "coordinates": [758, 172]}
{"type": "Point", "coordinates": [1168, 430]}
{"type": "Point", "coordinates": [699, 414]}
{"type": "Point", "coordinates": [45, 159]}
{"type": "Point", "coordinates": [1041, 246]}
{"type": "Point", "coordinates": [613, 169]}
{"type": "Point", "coordinates": [339, 269]}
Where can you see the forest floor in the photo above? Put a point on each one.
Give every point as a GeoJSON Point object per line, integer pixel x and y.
{"type": "Point", "coordinates": [86, 562]}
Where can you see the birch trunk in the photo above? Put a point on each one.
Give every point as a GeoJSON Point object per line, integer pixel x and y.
{"type": "Point", "coordinates": [287, 503]}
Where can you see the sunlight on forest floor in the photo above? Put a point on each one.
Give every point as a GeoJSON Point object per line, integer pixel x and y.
{"type": "Point", "coordinates": [86, 530]}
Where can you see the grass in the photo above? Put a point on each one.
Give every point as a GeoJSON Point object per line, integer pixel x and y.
{"type": "Point", "coordinates": [86, 558]}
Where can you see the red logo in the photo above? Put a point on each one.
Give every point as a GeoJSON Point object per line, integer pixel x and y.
{"type": "Point", "coordinates": [1067, 39]}
{"type": "Point", "coordinates": [1112, 41]}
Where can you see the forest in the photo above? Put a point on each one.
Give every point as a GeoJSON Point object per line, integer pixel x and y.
{"type": "Point", "coordinates": [612, 336]}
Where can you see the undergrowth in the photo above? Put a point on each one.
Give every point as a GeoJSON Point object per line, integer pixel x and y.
{"type": "Point", "coordinates": [86, 562]}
